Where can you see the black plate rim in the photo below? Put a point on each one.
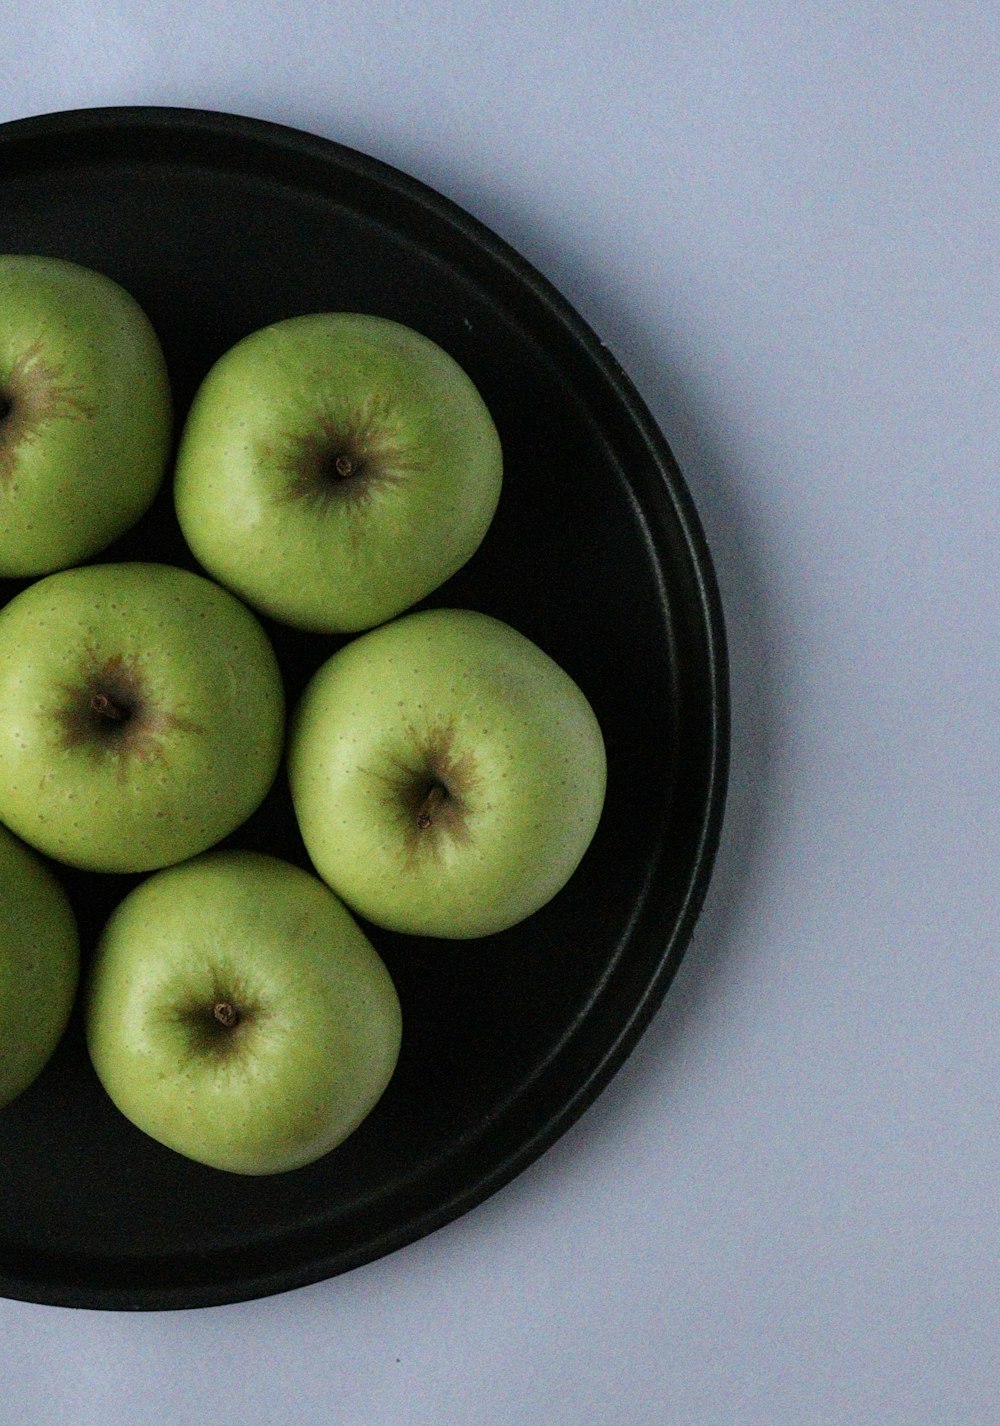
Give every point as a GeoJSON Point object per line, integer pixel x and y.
{"type": "Point", "coordinates": [218, 125]}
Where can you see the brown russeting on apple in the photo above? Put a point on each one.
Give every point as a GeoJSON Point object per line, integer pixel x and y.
{"type": "Point", "coordinates": [110, 710]}
{"type": "Point", "coordinates": [32, 394]}
{"type": "Point", "coordinates": [432, 793]}
{"type": "Point", "coordinates": [347, 456]}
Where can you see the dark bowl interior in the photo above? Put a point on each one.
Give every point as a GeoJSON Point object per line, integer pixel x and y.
{"type": "Point", "coordinates": [219, 225]}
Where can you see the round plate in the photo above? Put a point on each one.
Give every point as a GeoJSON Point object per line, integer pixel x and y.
{"type": "Point", "coordinates": [218, 225]}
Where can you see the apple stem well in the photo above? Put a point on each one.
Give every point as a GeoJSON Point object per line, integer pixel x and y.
{"type": "Point", "coordinates": [437, 794]}
{"type": "Point", "coordinates": [107, 708]}
{"type": "Point", "coordinates": [110, 706]}
{"type": "Point", "coordinates": [345, 466]}
{"type": "Point", "coordinates": [332, 467]}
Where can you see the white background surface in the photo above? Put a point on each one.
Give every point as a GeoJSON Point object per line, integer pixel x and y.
{"type": "Point", "coordinates": [784, 1210]}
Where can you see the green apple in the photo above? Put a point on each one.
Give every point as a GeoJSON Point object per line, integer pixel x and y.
{"type": "Point", "coordinates": [335, 468]}
{"type": "Point", "coordinates": [446, 773]}
{"type": "Point", "coordinates": [141, 715]}
{"type": "Point", "coordinates": [39, 965]}
{"type": "Point", "coordinates": [85, 413]}
{"type": "Point", "coordinates": [237, 1013]}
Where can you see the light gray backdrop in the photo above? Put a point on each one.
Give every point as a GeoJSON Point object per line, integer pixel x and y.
{"type": "Point", "coordinates": [784, 1211]}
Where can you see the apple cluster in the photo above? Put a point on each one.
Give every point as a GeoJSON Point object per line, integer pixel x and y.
{"type": "Point", "coordinates": [446, 774]}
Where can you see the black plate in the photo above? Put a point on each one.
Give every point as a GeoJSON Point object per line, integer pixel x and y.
{"type": "Point", "coordinates": [218, 225]}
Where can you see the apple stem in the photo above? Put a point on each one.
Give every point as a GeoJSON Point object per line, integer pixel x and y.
{"type": "Point", "coordinates": [437, 794]}
{"type": "Point", "coordinates": [226, 1014]}
{"type": "Point", "coordinates": [107, 707]}
{"type": "Point", "coordinates": [344, 466]}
